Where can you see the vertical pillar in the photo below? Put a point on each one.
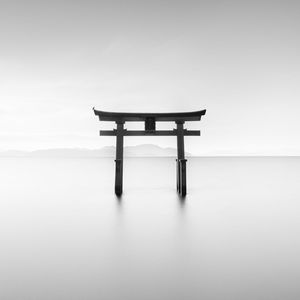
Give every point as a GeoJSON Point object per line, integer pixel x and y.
{"type": "Point", "coordinates": [181, 161]}
{"type": "Point", "coordinates": [183, 177]}
{"type": "Point", "coordinates": [119, 159]}
{"type": "Point", "coordinates": [177, 175]}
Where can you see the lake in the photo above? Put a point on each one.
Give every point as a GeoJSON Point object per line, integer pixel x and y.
{"type": "Point", "coordinates": [64, 234]}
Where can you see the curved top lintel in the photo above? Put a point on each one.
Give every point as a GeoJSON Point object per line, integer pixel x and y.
{"type": "Point", "coordinates": [140, 117]}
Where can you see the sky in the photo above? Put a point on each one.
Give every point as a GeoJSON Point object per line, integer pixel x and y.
{"type": "Point", "coordinates": [240, 60]}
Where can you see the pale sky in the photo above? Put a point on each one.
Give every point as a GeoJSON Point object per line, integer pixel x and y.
{"type": "Point", "coordinates": [240, 60]}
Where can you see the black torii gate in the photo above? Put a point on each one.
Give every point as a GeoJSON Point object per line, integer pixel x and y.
{"type": "Point", "coordinates": [150, 129]}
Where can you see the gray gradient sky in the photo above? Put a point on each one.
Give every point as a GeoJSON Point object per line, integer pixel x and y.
{"type": "Point", "coordinates": [239, 60]}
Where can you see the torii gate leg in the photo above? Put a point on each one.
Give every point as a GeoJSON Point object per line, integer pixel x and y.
{"type": "Point", "coordinates": [119, 159]}
{"type": "Point", "coordinates": [181, 161]}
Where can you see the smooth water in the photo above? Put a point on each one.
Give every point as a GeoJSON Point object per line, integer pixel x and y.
{"type": "Point", "coordinates": [64, 235]}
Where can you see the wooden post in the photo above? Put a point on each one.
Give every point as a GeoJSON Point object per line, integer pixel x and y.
{"type": "Point", "coordinates": [181, 161]}
{"type": "Point", "coordinates": [119, 159]}
{"type": "Point", "coordinates": [183, 176]}
{"type": "Point", "coordinates": [177, 175]}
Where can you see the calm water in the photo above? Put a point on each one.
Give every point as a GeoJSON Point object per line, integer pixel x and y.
{"type": "Point", "coordinates": [64, 235]}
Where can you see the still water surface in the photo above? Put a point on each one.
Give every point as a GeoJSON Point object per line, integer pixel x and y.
{"type": "Point", "coordinates": [64, 235]}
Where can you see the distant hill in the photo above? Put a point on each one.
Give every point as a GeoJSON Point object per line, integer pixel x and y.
{"type": "Point", "coordinates": [146, 150]}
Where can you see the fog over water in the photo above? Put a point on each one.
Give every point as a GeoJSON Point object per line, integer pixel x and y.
{"type": "Point", "coordinates": [64, 235]}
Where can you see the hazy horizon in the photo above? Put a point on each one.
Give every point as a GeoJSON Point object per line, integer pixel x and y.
{"type": "Point", "coordinates": [141, 150]}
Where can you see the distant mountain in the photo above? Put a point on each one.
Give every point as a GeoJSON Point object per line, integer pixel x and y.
{"type": "Point", "coordinates": [146, 150]}
{"type": "Point", "coordinates": [149, 150]}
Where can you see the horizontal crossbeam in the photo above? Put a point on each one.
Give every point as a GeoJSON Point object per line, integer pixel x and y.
{"type": "Point", "coordinates": [126, 132]}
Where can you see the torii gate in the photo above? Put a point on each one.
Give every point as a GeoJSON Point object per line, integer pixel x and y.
{"type": "Point", "coordinates": [150, 119]}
